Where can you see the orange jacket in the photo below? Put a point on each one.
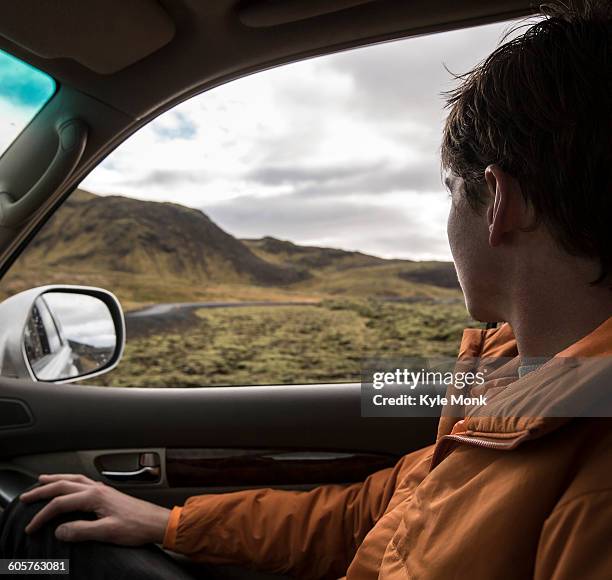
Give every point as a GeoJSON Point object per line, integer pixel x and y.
{"type": "Point", "coordinates": [494, 498]}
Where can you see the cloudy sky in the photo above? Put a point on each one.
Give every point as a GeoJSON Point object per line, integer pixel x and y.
{"type": "Point", "coordinates": [83, 318]}
{"type": "Point", "coordinates": [337, 151]}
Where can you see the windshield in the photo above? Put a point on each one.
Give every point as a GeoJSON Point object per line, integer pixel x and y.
{"type": "Point", "coordinates": [24, 90]}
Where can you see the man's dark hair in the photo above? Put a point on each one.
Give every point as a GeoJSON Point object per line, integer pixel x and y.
{"type": "Point", "coordinates": [540, 107]}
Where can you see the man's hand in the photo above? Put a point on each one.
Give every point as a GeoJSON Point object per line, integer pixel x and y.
{"type": "Point", "coordinates": [122, 519]}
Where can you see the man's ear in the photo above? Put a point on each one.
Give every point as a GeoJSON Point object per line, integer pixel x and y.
{"type": "Point", "coordinates": [506, 206]}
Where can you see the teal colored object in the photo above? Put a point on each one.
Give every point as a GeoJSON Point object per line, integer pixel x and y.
{"type": "Point", "coordinates": [24, 91]}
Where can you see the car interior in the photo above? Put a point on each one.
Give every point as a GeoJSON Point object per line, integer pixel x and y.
{"type": "Point", "coordinates": [119, 64]}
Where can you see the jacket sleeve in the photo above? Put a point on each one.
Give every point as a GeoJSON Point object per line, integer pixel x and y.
{"type": "Point", "coordinates": [575, 540]}
{"type": "Point", "coordinates": [309, 534]}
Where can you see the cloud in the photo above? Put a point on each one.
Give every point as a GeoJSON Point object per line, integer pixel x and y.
{"type": "Point", "coordinates": [296, 175]}
{"type": "Point", "coordinates": [393, 79]}
{"type": "Point", "coordinates": [379, 178]}
{"type": "Point", "coordinates": [168, 178]}
{"type": "Point", "coordinates": [410, 226]}
{"type": "Point", "coordinates": [83, 318]}
{"type": "Point", "coordinates": [175, 125]}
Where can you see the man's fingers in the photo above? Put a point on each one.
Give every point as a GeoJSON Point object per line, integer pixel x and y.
{"type": "Point", "coordinates": [50, 490]}
{"type": "Point", "coordinates": [81, 501]}
{"type": "Point", "coordinates": [83, 530]}
{"type": "Point", "coordinates": [49, 477]}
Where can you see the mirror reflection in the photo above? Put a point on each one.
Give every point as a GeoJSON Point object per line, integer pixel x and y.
{"type": "Point", "coordinates": [68, 335]}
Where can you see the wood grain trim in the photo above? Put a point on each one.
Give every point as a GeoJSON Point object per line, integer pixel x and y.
{"type": "Point", "coordinates": [265, 467]}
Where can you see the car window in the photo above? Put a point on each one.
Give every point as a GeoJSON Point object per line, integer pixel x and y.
{"type": "Point", "coordinates": [24, 90]}
{"type": "Point", "coordinates": [279, 229]}
{"type": "Point", "coordinates": [48, 326]}
{"type": "Point", "coordinates": [42, 338]}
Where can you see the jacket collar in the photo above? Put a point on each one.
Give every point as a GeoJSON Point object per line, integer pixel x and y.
{"type": "Point", "coordinates": [539, 402]}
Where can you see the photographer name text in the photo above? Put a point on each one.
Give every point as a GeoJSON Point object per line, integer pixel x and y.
{"type": "Point", "coordinates": [430, 401]}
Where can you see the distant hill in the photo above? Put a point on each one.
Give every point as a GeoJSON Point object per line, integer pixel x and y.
{"type": "Point", "coordinates": [310, 257]}
{"type": "Point", "coordinates": [121, 234]}
{"type": "Point", "coordinates": [442, 274]}
{"type": "Point", "coordinates": [148, 252]}
{"type": "Point", "coordinates": [343, 273]}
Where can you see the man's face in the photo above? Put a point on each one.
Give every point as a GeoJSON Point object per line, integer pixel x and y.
{"type": "Point", "coordinates": [468, 236]}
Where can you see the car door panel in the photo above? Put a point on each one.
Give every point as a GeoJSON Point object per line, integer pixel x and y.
{"type": "Point", "coordinates": [206, 440]}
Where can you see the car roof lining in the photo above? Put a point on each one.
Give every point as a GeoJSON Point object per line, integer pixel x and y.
{"type": "Point", "coordinates": [264, 13]}
{"type": "Point", "coordinates": [100, 36]}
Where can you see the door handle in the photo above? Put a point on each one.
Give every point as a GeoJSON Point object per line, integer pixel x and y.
{"type": "Point", "coordinates": [149, 471]}
{"type": "Point", "coordinates": [146, 474]}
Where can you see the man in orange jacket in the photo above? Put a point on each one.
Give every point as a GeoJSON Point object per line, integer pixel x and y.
{"type": "Point", "coordinates": [502, 494]}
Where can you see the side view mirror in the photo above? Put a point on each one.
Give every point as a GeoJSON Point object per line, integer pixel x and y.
{"type": "Point", "coordinates": [60, 333]}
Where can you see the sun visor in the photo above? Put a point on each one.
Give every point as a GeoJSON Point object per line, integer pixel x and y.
{"type": "Point", "coordinates": [102, 35]}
